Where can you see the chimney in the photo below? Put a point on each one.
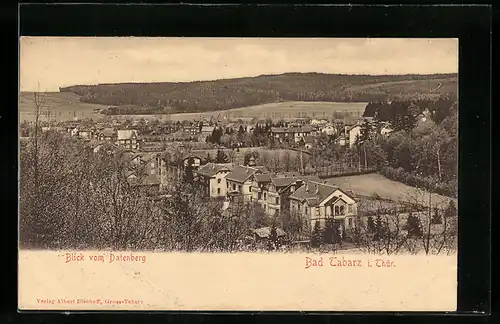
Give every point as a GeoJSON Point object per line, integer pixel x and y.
{"type": "Point", "coordinates": [307, 187]}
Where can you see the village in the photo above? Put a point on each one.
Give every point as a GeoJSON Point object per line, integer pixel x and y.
{"type": "Point", "coordinates": [265, 165]}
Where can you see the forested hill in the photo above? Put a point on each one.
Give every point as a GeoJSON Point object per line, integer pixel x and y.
{"type": "Point", "coordinates": [202, 96]}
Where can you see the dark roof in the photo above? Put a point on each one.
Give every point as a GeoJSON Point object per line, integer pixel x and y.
{"type": "Point", "coordinates": [264, 177]}
{"type": "Point", "coordinates": [242, 173]}
{"type": "Point", "coordinates": [286, 180]}
{"type": "Point", "coordinates": [261, 168]}
{"type": "Point", "coordinates": [190, 155]}
{"type": "Point", "coordinates": [211, 169]}
{"type": "Point", "coordinates": [315, 193]}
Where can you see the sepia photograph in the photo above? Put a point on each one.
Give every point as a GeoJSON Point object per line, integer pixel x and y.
{"type": "Point", "coordinates": [238, 173]}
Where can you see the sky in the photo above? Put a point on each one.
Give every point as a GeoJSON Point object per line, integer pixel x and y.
{"type": "Point", "coordinates": [47, 63]}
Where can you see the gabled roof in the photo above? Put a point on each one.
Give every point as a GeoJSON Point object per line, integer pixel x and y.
{"type": "Point", "coordinates": [242, 173]}
{"type": "Point", "coordinates": [211, 169]}
{"type": "Point", "coordinates": [190, 155]}
{"type": "Point", "coordinates": [286, 179]}
{"type": "Point", "coordinates": [316, 192]}
{"type": "Point", "coordinates": [108, 132]}
{"type": "Point", "coordinates": [264, 177]}
{"type": "Point", "coordinates": [125, 134]}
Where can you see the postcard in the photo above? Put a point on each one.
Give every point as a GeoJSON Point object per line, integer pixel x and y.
{"type": "Point", "coordinates": [238, 174]}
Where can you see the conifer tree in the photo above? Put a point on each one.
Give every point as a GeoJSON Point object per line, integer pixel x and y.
{"type": "Point", "coordinates": [221, 157]}
{"type": "Point", "coordinates": [317, 236]}
{"type": "Point", "coordinates": [436, 218]}
{"type": "Point", "coordinates": [413, 226]}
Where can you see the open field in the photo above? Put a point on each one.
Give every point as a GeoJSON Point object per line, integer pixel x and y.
{"type": "Point", "coordinates": [447, 85]}
{"type": "Point", "coordinates": [282, 110]}
{"type": "Point", "coordinates": [275, 111]}
{"type": "Point", "coordinates": [67, 106]}
{"type": "Point", "coordinates": [369, 184]}
{"type": "Point", "coordinates": [60, 106]}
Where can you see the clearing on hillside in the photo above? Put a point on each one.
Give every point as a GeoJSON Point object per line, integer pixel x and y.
{"type": "Point", "coordinates": [373, 183]}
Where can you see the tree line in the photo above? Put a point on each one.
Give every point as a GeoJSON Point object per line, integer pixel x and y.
{"type": "Point", "coordinates": [202, 96]}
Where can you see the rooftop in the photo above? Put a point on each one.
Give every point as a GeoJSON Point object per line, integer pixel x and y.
{"type": "Point", "coordinates": [125, 134]}
{"type": "Point", "coordinates": [242, 173]}
{"type": "Point", "coordinates": [314, 192]}
{"type": "Point", "coordinates": [211, 169]}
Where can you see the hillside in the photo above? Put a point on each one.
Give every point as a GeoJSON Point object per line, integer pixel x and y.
{"type": "Point", "coordinates": [58, 106]}
{"type": "Point", "coordinates": [206, 96]}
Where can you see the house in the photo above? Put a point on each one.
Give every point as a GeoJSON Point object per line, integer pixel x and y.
{"type": "Point", "coordinates": [352, 133]}
{"type": "Point", "coordinates": [213, 178]}
{"type": "Point", "coordinates": [272, 192]}
{"type": "Point", "coordinates": [318, 122]}
{"type": "Point", "coordinates": [74, 131]}
{"type": "Point", "coordinates": [85, 133]}
{"type": "Point", "coordinates": [104, 147]}
{"type": "Point", "coordinates": [128, 138]}
{"type": "Point", "coordinates": [328, 130]}
{"type": "Point", "coordinates": [192, 130]}
{"type": "Point", "coordinates": [191, 159]}
{"type": "Point", "coordinates": [239, 181]}
{"type": "Point", "coordinates": [386, 130]}
{"type": "Point", "coordinates": [149, 184]}
{"type": "Point", "coordinates": [107, 134]}
{"type": "Point", "coordinates": [319, 201]}
{"type": "Point", "coordinates": [144, 163]}
{"type": "Point", "coordinates": [308, 142]}
{"type": "Point", "coordinates": [292, 133]}
{"type": "Point", "coordinates": [205, 131]}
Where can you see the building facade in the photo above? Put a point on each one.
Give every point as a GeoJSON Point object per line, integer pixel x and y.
{"type": "Point", "coordinates": [319, 202]}
{"type": "Point", "coordinates": [213, 178]}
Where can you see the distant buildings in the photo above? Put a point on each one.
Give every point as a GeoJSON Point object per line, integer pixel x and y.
{"type": "Point", "coordinates": [293, 133]}
{"type": "Point", "coordinates": [352, 133]}
{"type": "Point", "coordinates": [128, 138]}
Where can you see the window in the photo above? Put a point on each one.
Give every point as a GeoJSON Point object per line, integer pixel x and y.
{"type": "Point", "coordinates": [349, 209]}
{"type": "Point", "coordinates": [234, 186]}
{"type": "Point", "coordinates": [259, 196]}
{"type": "Point", "coordinates": [218, 180]}
{"type": "Point", "coordinates": [277, 200]}
{"type": "Point", "coordinates": [265, 196]}
{"type": "Point", "coordinates": [239, 188]}
{"type": "Point", "coordinates": [227, 185]}
{"type": "Point", "coordinates": [218, 190]}
{"type": "Point", "coordinates": [350, 222]}
{"type": "Point", "coordinates": [342, 211]}
{"type": "Point", "coordinates": [337, 210]}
